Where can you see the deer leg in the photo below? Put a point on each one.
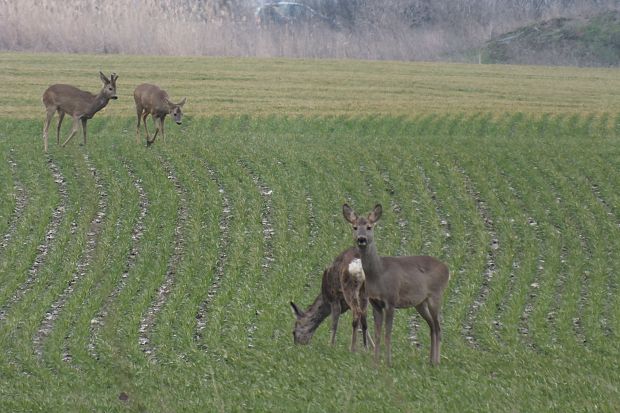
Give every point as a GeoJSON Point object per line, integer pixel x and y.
{"type": "Point", "coordinates": [336, 310]}
{"type": "Point", "coordinates": [148, 137]}
{"type": "Point", "coordinates": [365, 337]}
{"type": "Point", "coordinates": [355, 324]}
{"type": "Point", "coordinates": [84, 120]}
{"type": "Point", "coordinates": [156, 120]}
{"type": "Point", "coordinates": [46, 126]}
{"type": "Point", "coordinates": [73, 130]}
{"type": "Point", "coordinates": [161, 126]}
{"type": "Point", "coordinates": [426, 315]}
{"type": "Point", "coordinates": [389, 320]}
{"type": "Point", "coordinates": [433, 308]}
{"type": "Point", "coordinates": [363, 319]}
{"type": "Point", "coordinates": [377, 313]}
{"type": "Point", "coordinates": [139, 112]}
{"type": "Point", "coordinates": [61, 116]}
{"type": "Point", "coordinates": [430, 313]}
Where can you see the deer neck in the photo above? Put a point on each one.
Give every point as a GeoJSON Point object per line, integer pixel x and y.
{"type": "Point", "coordinates": [317, 312]}
{"type": "Point", "coordinates": [371, 262]}
{"type": "Point", "coordinates": [99, 102]}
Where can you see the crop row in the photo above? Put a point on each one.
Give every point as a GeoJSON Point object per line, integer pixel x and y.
{"type": "Point", "coordinates": [118, 259]}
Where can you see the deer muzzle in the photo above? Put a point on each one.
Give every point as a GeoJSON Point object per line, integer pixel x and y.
{"type": "Point", "coordinates": [362, 241]}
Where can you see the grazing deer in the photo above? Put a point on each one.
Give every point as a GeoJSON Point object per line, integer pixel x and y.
{"type": "Point", "coordinates": [79, 104]}
{"type": "Point", "coordinates": [151, 100]}
{"type": "Point", "coordinates": [398, 282]}
{"type": "Point", "coordinates": [342, 288]}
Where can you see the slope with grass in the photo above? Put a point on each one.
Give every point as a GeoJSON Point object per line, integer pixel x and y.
{"type": "Point", "coordinates": [585, 41]}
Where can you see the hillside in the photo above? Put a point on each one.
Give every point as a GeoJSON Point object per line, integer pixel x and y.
{"type": "Point", "coordinates": [588, 41]}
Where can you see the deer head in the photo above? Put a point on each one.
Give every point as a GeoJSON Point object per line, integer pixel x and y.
{"type": "Point", "coordinates": [109, 86]}
{"type": "Point", "coordinates": [304, 327]}
{"type": "Point", "coordinates": [362, 226]}
{"type": "Point", "coordinates": [176, 110]}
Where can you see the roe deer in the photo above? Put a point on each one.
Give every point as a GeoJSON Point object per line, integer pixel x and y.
{"type": "Point", "coordinates": [151, 100]}
{"type": "Point", "coordinates": [79, 104]}
{"type": "Point", "coordinates": [398, 282]}
{"type": "Point", "coordinates": [342, 288]}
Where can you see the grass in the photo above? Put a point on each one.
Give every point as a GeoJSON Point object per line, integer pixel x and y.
{"type": "Point", "coordinates": [243, 213]}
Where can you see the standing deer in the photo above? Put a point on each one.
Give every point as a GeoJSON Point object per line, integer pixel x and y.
{"type": "Point", "coordinates": [79, 104]}
{"type": "Point", "coordinates": [398, 282]}
{"type": "Point", "coordinates": [151, 100]}
{"type": "Point", "coordinates": [342, 288]}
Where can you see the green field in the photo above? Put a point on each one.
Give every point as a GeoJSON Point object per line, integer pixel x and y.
{"type": "Point", "coordinates": [158, 279]}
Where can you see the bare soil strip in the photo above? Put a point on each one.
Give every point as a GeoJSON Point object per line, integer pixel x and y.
{"type": "Point", "coordinates": [532, 293]}
{"type": "Point", "coordinates": [268, 232]}
{"type": "Point", "coordinates": [312, 220]}
{"type": "Point", "coordinates": [445, 224]}
{"type": "Point", "coordinates": [148, 320]}
{"type": "Point", "coordinates": [523, 326]}
{"type": "Point", "coordinates": [222, 254]}
{"type": "Point", "coordinates": [50, 236]}
{"type": "Point", "coordinates": [82, 266]}
{"type": "Point", "coordinates": [21, 201]}
{"type": "Point", "coordinates": [612, 285]}
{"type": "Point", "coordinates": [98, 321]}
{"type": "Point", "coordinates": [489, 272]}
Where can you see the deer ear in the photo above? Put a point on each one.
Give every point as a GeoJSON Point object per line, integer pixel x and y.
{"type": "Point", "coordinates": [296, 311]}
{"type": "Point", "coordinates": [113, 77]}
{"type": "Point", "coordinates": [349, 214]}
{"type": "Point", "coordinates": [104, 79]}
{"type": "Point", "coordinates": [181, 103]}
{"type": "Point", "coordinates": [375, 214]}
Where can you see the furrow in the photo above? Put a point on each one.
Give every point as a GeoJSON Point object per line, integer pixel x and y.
{"type": "Point", "coordinates": [148, 320]}
{"type": "Point", "coordinates": [403, 229]}
{"type": "Point", "coordinates": [559, 289]}
{"type": "Point", "coordinates": [584, 291]}
{"type": "Point", "coordinates": [596, 191]}
{"type": "Point", "coordinates": [401, 222]}
{"type": "Point", "coordinates": [268, 232]}
{"type": "Point", "coordinates": [576, 281]}
{"type": "Point", "coordinates": [532, 294]}
{"type": "Point", "coordinates": [517, 262]}
{"type": "Point", "coordinates": [439, 208]}
{"type": "Point", "coordinates": [266, 215]}
{"type": "Point", "coordinates": [21, 201]}
{"type": "Point", "coordinates": [98, 321]}
{"type": "Point", "coordinates": [312, 220]}
{"type": "Point", "coordinates": [82, 267]}
{"type": "Point", "coordinates": [44, 248]}
{"type": "Point", "coordinates": [611, 284]}
{"type": "Point", "coordinates": [491, 262]}
{"type": "Point", "coordinates": [446, 230]}
{"type": "Point", "coordinates": [222, 256]}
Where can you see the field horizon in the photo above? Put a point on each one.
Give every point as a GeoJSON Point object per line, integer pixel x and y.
{"type": "Point", "coordinates": [137, 279]}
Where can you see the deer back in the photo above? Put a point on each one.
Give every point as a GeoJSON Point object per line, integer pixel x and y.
{"type": "Point", "coordinates": [406, 281]}
{"type": "Point", "coordinates": [68, 98]}
{"type": "Point", "coordinates": [152, 98]}
{"type": "Point", "coordinates": [80, 103]}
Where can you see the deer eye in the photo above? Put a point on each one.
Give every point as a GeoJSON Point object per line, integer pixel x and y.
{"type": "Point", "coordinates": [368, 227]}
{"type": "Point", "coordinates": [354, 227]}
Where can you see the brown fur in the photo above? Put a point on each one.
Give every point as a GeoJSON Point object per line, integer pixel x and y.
{"type": "Point", "coordinates": [339, 292]}
{"type": "Point", "coordinates": [79, 104]}
{"type": "Point", "coordinates": [151, 100]}
{"type": "Point", "coordinates": [398, 282]}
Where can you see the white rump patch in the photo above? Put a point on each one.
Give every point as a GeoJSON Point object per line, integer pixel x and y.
{"type": "Point", "coordinates": [356, 269]}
